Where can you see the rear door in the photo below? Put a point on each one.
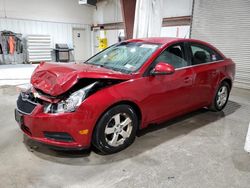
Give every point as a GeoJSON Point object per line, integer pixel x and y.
{"type": "Point", "coordinates": [204, 61]}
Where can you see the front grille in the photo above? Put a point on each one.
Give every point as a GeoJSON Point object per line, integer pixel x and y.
{"type": "Point", "coordinates": [24, 105]}
{"type": "Point", "coordinates": [58, 136]}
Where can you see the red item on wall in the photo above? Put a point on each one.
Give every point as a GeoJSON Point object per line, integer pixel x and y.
{"type": "Point", "coordinates": [11, 45]}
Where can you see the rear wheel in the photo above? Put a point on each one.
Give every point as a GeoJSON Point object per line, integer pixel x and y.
{"type": "Point", "coordinates": [221, 97]}
{"type": "Point", "coordinates": [115, 130]}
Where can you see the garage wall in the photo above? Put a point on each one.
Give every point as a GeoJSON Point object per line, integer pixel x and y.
{"type": "Point", "coordinates": [225, 24]}
{"type": "Point", "coordinates": [47, 10]}
{"type": "Point", "coordinates": [60, 32]}
{"type": "Point", "coordinates": [108, 11]}
{"type": "Point", "coordinates": [177, 8]}
{"type": "Point", "coordinates": [176, 31]}
{"type": "Point", "coordinates": [56, 18]}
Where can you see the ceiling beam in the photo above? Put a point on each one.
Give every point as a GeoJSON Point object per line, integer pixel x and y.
{"type": "Point", "coordinates": [176, 21]}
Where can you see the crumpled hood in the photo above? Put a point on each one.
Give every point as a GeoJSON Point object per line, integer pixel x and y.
{"type": "Point", "coordinates": [56, 78]}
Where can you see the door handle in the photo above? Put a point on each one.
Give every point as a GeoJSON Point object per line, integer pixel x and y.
{"type": "Point", "coordinates": [214, 73]}
{"type": "Point", "coordinates": [187, 79]}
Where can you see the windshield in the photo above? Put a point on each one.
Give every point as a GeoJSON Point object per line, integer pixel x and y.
{"type": "Point", "coordinates": [125, 57]}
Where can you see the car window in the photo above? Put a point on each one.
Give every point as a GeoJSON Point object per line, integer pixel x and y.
{"type": "Point", "coordinates": [173, 55]}
{"type": "Point", "coordinates": [203, 54]}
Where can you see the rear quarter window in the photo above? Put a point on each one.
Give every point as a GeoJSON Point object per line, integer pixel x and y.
{"type": "Point", "coordinates": [203, 54]}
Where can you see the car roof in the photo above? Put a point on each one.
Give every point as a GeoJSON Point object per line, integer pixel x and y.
{"type": "Point", "coordinates": [163, 40]}
{"type": "Point", "coordinates": [166, 40]}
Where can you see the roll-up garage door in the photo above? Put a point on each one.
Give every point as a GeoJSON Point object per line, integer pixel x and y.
{"type": "Point", "coordinates": [226, 25]}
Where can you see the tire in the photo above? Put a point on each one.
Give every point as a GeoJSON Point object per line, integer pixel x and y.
{"type": "Point", "coordinates": [221, 97]}
{"type": "Point", "coordinates": [115, 130]}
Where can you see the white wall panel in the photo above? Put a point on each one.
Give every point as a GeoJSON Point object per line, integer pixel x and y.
{"type": "Point", "coordinates": [60, 32]}
{"type": "Point", "coordinates": [175, 31]}
{"type": "Point", "coordinates": [108, 11]}
{"type": "Point", "coordinates": [47, 10]}
{"type": "Point", "coordinates": [177, 8]}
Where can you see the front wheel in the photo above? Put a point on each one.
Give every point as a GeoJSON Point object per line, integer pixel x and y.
{"type": "Point", "coordinates": [115, 130]}
{"type": "Point", "coordinates": [221, 97]}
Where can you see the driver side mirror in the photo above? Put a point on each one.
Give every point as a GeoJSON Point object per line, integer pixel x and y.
{"type": "Point", "coordinates": [162, 68]}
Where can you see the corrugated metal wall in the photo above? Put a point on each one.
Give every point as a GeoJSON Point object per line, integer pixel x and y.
{"type": "Point", "coordinates": [59, 32]}
{"type": "Point", "coordinates": [226, 24]}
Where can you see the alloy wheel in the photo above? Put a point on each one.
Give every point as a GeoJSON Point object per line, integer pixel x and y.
{"type": "Point", "coordinates": [222, 96]}
{"type": "Point", "coordinates": [118, 129]}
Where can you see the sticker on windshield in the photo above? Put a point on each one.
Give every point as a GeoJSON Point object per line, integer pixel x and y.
{"type": "Point", "coordinates": [151, 46]}
{"type": "Point", "coordinates": [128, 66]}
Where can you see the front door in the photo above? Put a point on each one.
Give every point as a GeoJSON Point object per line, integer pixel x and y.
{"type": "Point", "coordinates": [170, 95]}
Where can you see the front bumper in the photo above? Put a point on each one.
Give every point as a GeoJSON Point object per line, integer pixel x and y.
{"type": "Point", "coordinates": [38, 125]}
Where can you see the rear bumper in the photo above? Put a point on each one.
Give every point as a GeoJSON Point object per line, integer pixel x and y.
{"type": "Point", "coordinates": [72, 130]}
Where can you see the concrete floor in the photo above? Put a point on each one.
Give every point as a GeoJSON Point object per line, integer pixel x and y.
{"type": "Point", "coordinates": [201, 149]}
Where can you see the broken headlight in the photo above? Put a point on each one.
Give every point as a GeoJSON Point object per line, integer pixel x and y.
{"type": "Point", "coordinates": [71, 103]}
{"type": "Point", "coordinates": [24, 87]}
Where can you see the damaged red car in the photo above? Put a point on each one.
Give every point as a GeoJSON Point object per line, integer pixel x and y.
{"type": "Point", "coordinates": [104, 101]}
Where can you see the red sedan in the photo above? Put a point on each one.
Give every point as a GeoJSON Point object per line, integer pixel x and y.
{"type": "Point", "coordinates": [105, 100]}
